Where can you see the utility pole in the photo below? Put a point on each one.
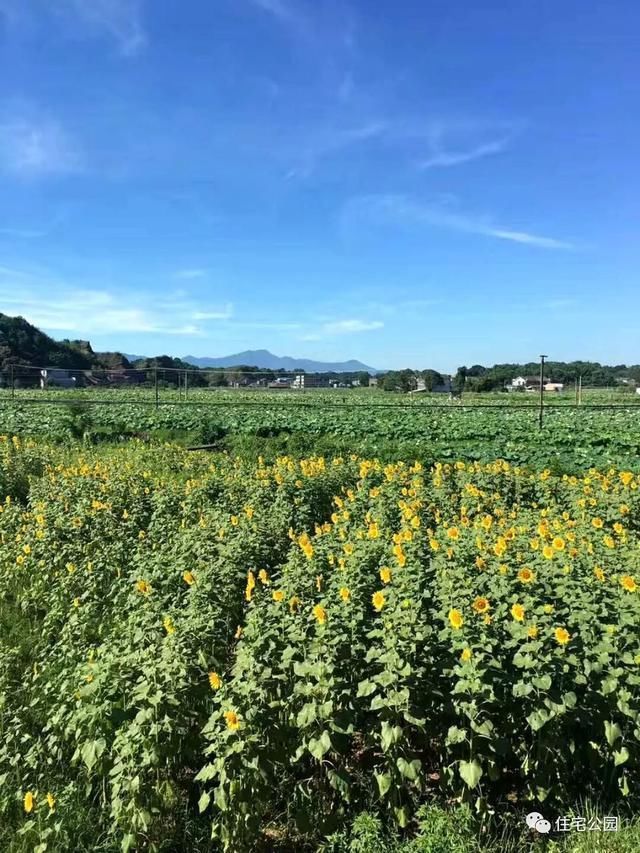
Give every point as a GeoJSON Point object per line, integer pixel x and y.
{"type": "Point", "coordinates": [186, 384]}
{"type": "Point", "coordinates": [580, 390]}
{"type": "Point", "coordinates": [542, 358]}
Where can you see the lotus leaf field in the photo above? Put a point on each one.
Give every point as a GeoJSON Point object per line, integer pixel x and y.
{"type": "Point", "coordinates": [201, 645]}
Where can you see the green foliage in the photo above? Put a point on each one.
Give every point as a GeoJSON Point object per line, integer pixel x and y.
{"type": "Point", "coordinates": [444, 831]}
{"type": "Point", "coordinates": [459, 381]}
{"type": "Point", "coordinates": [78, 420]}
{"type": "Point", "coordinates": [432, 379]}
{"type": "Point", "coordinates": [272, 650]}
{"type": "Point", "coordinates": [572, 440]}
{"type": "Point", "coordinates": [22, 343]}
{"type": "Point", "coordinates": [366, 835]}
{"type": "Point", "coordinates": [398, 380]}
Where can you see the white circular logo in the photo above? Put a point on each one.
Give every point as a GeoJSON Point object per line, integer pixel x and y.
{"type": "Point", "coordinates": [536, 821]}
{"type": "Point", "coordinates": [533, 818]}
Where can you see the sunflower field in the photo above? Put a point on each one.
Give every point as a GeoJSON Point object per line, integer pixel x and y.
{"type": "Point", "coordinates": [200, 646]}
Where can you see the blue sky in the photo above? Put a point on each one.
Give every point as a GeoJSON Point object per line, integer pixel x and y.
{"type": "Point", "coordinates": [407, 183]}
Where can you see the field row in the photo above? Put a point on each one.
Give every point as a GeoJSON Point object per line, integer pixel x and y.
{"type": "Point", "coordinates": [570, 440]}
{"type": "Point", "coordinates": [315, 396]}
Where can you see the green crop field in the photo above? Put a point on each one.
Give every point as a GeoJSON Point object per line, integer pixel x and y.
{"type": "Point", "coordinates": [484, 427]}
{"type": "Point", "coordinates": [365, 625]}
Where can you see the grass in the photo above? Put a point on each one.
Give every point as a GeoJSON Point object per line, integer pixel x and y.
{"type": "Point", "coordinates": [453, 830]}
{"type": "Point", "coordinates": [437, 829]}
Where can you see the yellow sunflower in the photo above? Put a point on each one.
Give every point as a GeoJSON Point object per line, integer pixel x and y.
{"type": "Point", "coordinates": [28, 802]}
{"type": "Point", "coordinates": [378, 600]}
{"type": "Point", "coordinates": [455, 618]}
{"type": "Point", "coordinates": [233, 721]}
{"type": "Point", "coordinates": [320, 613]}
{"type": "Point", "coordinates": [517, 611]}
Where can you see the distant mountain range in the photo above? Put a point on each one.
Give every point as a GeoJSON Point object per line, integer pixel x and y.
{"type": "Point", "coordinates": [21, 343]}
{"type": "Point", "coordinates": [268, 361]}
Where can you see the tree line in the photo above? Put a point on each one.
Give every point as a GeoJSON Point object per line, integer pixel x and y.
{"type": "Point", "coordinates": [496, 378]}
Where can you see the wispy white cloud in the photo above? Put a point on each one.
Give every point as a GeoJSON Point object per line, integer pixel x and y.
{"type": "Point", "coordinates": [330, 25]}
{"type": "Point", "coordinates": [455, 158]}
{"type": "Point", "coordinates": [347, 327]}
{"type": "Point", "coordinates": [323, 34]}
{"type": "Point", "coordinates": [223, 313]}
{"type": "Point", "coordinates": [447, 143]}
{"type": "Point", "coordinates": [280, 327]}
{"type": "Point", "coordinates": [59, 306]}
{"type": "Point", "coordinates": [401, 211]}
{"type": "Point", "coordinates": [453, 142]}
{"type": "Point", "coordinates": [342, 327]}
{"type": "Point", "coordinates": [296, 22]}
{"type": "Point", "coordinates": [326, 33]}
{"type": "Point", "coordinates": [119, 19]}
{"type": "Point", "coordinates": [516, 236]}
{"type": "Point", "coordinates": [402, 306]}
{"type": "Point", "coordinates": [191, 273]}
{"type": "Point", "coordinates": [37, 146]}
{"type": "Point", "coordinates": [22, 233]}
{"type": "Point", "coordinates": [325, 142]}
{"type": "Point", "coordinates": [65, 310]}
{"type": "Point", "coordinates": [278, 8]}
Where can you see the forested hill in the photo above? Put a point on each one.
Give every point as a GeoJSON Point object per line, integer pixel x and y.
{"type": "Point", "coordinates": [23, 344]}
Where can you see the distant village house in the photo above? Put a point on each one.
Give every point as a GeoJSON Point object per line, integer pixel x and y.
{"type": "Point", "coordinates": [532, 383]}
{"type": "Point", "coordinates": [280, 382]}
{"type": "Point", "coordinates": [443, 387]}
{"type": "Point", "coordinates": [306, 380]}
{"type": "Point", "coordinates": [53, 377]}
